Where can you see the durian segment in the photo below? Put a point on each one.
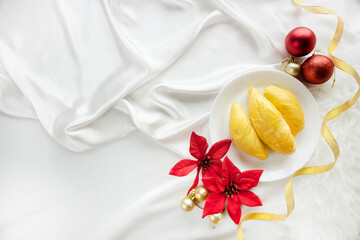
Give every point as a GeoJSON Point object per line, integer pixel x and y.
{"type": "Point", "coordinates": [244, 135]}
{"type": "Point", "coordinates": [289, 107]}
{"type": "Point", "coordinates": [270, 124]}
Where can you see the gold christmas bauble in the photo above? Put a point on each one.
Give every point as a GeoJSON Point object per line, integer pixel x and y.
{"type": "Point", "coordinates": [187, 204]}
{"type": "Point", "coordinates": [201, 193]}
{"type": "Point", "coordinates": [293, 69]}
{"type": "Point", "coordinates": [216, 218]}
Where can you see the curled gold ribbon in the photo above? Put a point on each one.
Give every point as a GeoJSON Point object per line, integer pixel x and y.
{"type": "Point", "coordinates": [329, 138]}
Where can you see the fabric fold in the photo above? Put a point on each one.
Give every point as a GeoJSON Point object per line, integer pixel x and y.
{"type": "Point", "coordinates": [92, 72]}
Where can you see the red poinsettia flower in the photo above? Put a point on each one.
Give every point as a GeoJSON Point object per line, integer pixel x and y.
{"type": "Point", "coordinates": [208, 163]}
{"type": "Point", "coordinates": [234, 187]}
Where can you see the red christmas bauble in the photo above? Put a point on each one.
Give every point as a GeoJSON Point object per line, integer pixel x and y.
{"type": "Point", "coordinates": [300, 41]}
{"type": "Point", "coordinates": [317, 69]}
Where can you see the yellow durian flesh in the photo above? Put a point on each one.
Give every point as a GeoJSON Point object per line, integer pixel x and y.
{"type": "Point", "coordinates": [270, 124]}
{"type": "Point", "coordinates": [288, 106]}
{"type": "Point", "coordinates": [243, 133]}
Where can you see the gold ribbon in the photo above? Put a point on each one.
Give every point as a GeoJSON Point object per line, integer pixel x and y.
{"type": "Point", "coordinates": [329, 138]}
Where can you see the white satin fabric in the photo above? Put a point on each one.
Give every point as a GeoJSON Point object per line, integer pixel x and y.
{"type": "Point", "coordinates": [93, 71]}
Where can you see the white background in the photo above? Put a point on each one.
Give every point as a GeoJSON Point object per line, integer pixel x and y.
{"type": "Point", "coordinates": [82, 75]}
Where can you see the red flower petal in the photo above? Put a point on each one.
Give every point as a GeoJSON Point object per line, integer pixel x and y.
{"type": "Point", "coordinates": [229, 170]}
{"type": "Point", "coordinates": [215, 203]}
{"type": "Point", "coordinates": [254, 174]}
{"type": "Point", "coordinates": [234, 209]}
{"type": "Point", "coordinates": [214, 170]}
{"type": "Point", "coordinates": [216, 166]}
{"type": "Point", "coordinates": [249, 199]}
{"type": "Point", "coordinates": [196, 181]}
{"type": "Point", "coordinates": [210, 183]}
{"type": "Point", "coordinates": [219, 149]}
{"type": "Point", "coordinates": [245, 183]}
{"type": "Point", "coordinates": [222, 184]}
{"type": "Point", "coordinates": [183, 168]}
{"type": "Point", "coordinates": [198, 146]}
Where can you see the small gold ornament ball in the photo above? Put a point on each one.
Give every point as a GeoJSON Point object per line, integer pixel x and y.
{"type": "Point", "coordinates": [201, 193]}
{"type": "Point", "coordinates": [187, 204]}
{"type": "Point", "coordinates": [293, 69]}
{"type": "Point", "coordinates": [216, 218]}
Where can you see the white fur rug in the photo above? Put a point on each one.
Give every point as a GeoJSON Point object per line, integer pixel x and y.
{"type": "Point", "coordinates": [328, 204]}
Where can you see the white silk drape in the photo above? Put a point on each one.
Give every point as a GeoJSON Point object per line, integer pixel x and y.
{"type": "Point", "coordinates": [94, 71]}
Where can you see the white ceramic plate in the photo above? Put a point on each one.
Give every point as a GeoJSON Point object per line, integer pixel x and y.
{"type": "Point", "coordinates": [277, 166]}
